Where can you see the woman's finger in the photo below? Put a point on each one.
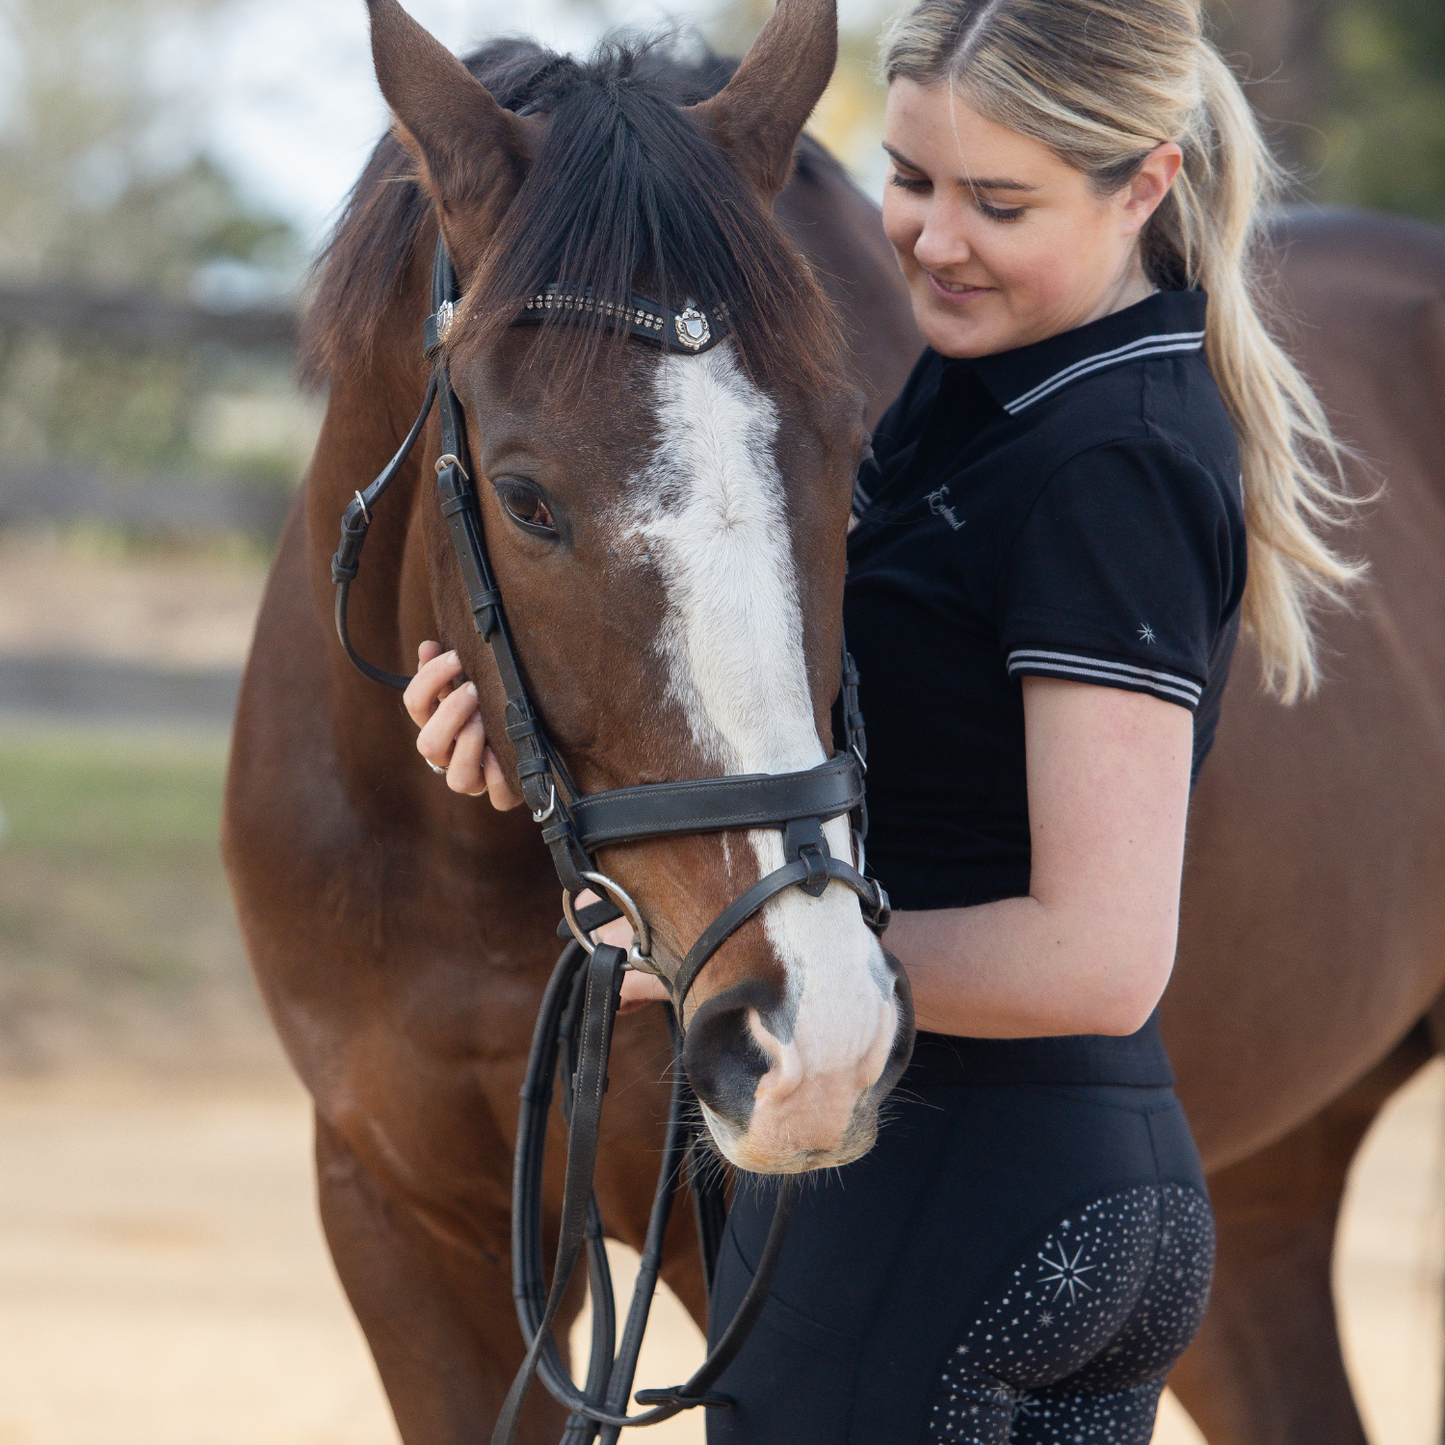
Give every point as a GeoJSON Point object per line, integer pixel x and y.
{"type": "Point", "coordinates": [437, 737]}
{"type": "Point", "coordinates": [639, 990]}
{"type": "Point", "coordinates": [500, 788]}
{"type": "Point", "coordinates": [432, 682]}
{"type": "Point", "coordinates": [618, 933]}
{"type": "Point", "coordinates": [464, 772]}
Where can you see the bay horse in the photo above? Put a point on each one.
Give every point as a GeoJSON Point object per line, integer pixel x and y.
{"type": "Point", "coordinates": [667, 533]}
{"type": "Point", "coordinates": [402, 936]}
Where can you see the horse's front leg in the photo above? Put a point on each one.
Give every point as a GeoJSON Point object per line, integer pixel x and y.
{"type": "Point", "coordinates": [433, 1299]}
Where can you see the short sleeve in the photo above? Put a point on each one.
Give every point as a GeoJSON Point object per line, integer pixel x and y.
{"type": "Point", "coordinates": [1122, 574]}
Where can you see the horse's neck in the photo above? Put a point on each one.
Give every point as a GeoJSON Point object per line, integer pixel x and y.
{"type": "Point", "coordinates": [368, 414]}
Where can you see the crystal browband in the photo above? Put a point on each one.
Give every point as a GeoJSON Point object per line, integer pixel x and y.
{"type": "Point", "coordinates": [691, 330]}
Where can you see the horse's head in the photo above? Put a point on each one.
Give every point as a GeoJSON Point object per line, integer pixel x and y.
{"type": "Point", "coordinates": [667, 530]}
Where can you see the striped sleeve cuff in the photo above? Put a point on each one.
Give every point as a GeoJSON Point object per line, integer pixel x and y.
{"type": "Point", "coordinates": [1171, 686]}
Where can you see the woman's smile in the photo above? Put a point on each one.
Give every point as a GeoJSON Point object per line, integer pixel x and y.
{"type": "Point", "coordinates": [955, 293]}
{"type": "Point", "coordinates": [980, 213]}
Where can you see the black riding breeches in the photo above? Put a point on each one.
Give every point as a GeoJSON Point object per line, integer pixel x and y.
{"type": "Point", "coordinates": [1010, 1263]}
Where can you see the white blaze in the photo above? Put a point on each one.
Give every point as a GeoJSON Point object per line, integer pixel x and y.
{"type": "Point", "coordinates": [710, 511]}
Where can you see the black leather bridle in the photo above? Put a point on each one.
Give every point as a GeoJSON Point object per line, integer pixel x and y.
{"type": "Point", "coordinates": [575, 1022]}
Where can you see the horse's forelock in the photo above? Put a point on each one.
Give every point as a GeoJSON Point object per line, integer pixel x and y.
{"type": "Point", "coordinates": [627, 193]}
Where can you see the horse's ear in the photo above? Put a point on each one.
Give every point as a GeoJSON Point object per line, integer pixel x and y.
{"type": "Point", "coordinates": [474, 155]}
{"type": "Point", "coordinates": [757, 117]}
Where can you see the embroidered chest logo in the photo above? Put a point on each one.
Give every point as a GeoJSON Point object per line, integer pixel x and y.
{"type": "Point", "coordinates": [1146, 633]}
{"type": "Point", "coordinates": [939, 509]}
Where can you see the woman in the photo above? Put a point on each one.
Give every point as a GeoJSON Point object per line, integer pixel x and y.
{"type": "Point", "coordinates": [1055, 518]}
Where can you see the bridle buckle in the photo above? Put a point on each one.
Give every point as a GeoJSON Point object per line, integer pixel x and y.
{"type": "Point", "coordinates": [540, 815]}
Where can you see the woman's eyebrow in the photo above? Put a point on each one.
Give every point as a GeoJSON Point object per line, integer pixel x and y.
{"type": "Point", "coordinates": [975, 183]}
{"type": "Point", "coordinates": [900, 158]}
{"type": "Point", "coordinates": [979, 183]}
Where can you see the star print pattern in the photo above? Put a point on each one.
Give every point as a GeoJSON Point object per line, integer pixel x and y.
{"type": "Point", "coordinates": [1067, 1273]}
{"type": "Point", "coordinates": [1073, 1346]}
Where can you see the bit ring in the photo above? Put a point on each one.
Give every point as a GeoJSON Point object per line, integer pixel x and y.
{"type": "Point", "coordinates": [639, 954]}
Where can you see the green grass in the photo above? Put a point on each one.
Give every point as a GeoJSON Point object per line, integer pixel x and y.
{"type": "Point", "coordinates": [111, 886]}
{"type": "Point", "coordinates": [77, 798]}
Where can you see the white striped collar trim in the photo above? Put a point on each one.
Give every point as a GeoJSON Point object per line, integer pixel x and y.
{"type": "Point", "coordinates": [1160, 345]}
{"type": "Point", "coordinates": [1077, 665]}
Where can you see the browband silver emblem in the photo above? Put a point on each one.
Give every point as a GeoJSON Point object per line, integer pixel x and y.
{"type": "Point", "coordinates": [692, 329]}
{"type": "Point", "coordinates": [446, 314]}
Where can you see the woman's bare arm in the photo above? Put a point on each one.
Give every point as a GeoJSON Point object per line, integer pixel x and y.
{"type": "Point", "coordinates": [1090, 949]}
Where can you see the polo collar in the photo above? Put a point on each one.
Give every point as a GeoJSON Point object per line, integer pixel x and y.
{"type": "Point", "coordinates": [1166, 323]}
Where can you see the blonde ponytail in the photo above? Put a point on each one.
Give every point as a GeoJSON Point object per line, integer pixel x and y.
{"type": "Point", "coordinates": [1102, 83]}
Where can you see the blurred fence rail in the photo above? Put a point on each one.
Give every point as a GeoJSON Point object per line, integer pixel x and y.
{"type": "Point", "coordinates": [194, 499]}
{"type": "Point", "coordinates": [144, 322]}
{"type": "Point", "coordinates": [87, 689]}
{"type": "Point", "coordinates": [63, 492]}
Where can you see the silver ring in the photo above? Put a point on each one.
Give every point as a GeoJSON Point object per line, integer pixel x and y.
{"type": "Point", "coordinates": [637, 957]}
{"type": "Point", "coordinates": [434, 767]}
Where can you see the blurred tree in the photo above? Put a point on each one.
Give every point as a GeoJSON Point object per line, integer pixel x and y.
{"type": "Point", "coordinates": [102, 179]}
{"type": "Point", "coordinates": [105, 186]}
{"type": "Point", "coordinates": [1351, 92]}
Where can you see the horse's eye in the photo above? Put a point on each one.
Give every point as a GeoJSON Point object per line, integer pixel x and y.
{"type": "Point", "coordinates": [526, 507]}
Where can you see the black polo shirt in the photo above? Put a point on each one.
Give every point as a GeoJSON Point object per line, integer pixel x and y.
{"type": "Point", "coordinates": [1068, 509]}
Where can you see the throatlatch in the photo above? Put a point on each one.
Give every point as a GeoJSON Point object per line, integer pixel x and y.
{"type": "Point", "coordinates": [574, 1027]}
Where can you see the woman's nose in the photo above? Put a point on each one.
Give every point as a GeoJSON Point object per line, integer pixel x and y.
{"type": "Point", "coordinates": [941, 243]}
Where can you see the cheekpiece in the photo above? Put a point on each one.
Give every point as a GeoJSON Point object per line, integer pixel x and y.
{"type": "Point", "coordinates": [690, 331]}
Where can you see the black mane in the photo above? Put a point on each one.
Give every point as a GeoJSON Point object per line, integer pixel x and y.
{"type": "Point", "coordinates": [627, 194]}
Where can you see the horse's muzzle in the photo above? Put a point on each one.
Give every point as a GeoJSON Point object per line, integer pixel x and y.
{"type": "Point", "coordinates": [779, 1099]}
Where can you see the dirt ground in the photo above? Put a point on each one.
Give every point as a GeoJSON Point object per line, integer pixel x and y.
{"type": "Point", "coordinates": [163, 1280]}
{"type": "Point", "coordinates": [91, 594]}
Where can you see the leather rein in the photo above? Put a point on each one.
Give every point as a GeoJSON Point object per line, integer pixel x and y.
{"type": "Point", "coordinates": [573, 1034]}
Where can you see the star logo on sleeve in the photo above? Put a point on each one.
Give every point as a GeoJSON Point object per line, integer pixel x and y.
{"type": "Point", "coordinates": [1146, 633]}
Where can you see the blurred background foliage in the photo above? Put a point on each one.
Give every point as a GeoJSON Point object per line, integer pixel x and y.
{"type": "Point", "coordinates": [106, 192]}
{"type": "Point", "coordinates": [108, 185]}
{"type": "Point", "coordinates": [1351, 93]}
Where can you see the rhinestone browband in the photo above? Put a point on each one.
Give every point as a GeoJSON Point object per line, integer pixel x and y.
{"type": "Point", "coordinates": [690, 331]}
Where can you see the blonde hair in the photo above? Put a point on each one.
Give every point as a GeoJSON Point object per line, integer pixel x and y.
{"type": "Point", "coordinates": [1102, 83]}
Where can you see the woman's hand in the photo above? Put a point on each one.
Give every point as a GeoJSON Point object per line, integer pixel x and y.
{"type": "Point", "coordinates": [452, 736]}
{"type": "Point", "coordinates": [640, 989]}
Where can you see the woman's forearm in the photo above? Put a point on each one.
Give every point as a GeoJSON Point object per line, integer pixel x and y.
{"type": "Point", "coordinates": [1017, 969]}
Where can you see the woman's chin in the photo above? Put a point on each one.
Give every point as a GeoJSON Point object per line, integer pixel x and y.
{"type": "Point", "coordinates": [960, 336]}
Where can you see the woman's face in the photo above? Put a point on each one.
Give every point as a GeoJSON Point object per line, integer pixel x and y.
{"type": "Point", "coordinates": [1000, 241]}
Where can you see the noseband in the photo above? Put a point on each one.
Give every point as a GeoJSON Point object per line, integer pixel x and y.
{"type": "Point", "coordinates": [575, 1022]}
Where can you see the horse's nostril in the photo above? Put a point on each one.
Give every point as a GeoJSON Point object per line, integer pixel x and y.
{"type": "Point", "coordinates": [723, 1060]}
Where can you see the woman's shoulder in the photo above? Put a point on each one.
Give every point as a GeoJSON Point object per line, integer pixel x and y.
{"type": "Point", "coordinates": [1137, 376]}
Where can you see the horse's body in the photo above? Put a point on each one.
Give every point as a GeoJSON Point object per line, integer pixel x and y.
{"type": "Point", "coordinates": [402, 935]}
{"type": "Point", "coordinates": [1312, 947]}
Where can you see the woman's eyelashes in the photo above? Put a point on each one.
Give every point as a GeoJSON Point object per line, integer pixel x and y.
{"type": "Point", "coordinates": [998, 213]}
{"type": "Point", "coordinates": [907, 183]}
{"type": "Point", "coordinates": [919, 185]}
